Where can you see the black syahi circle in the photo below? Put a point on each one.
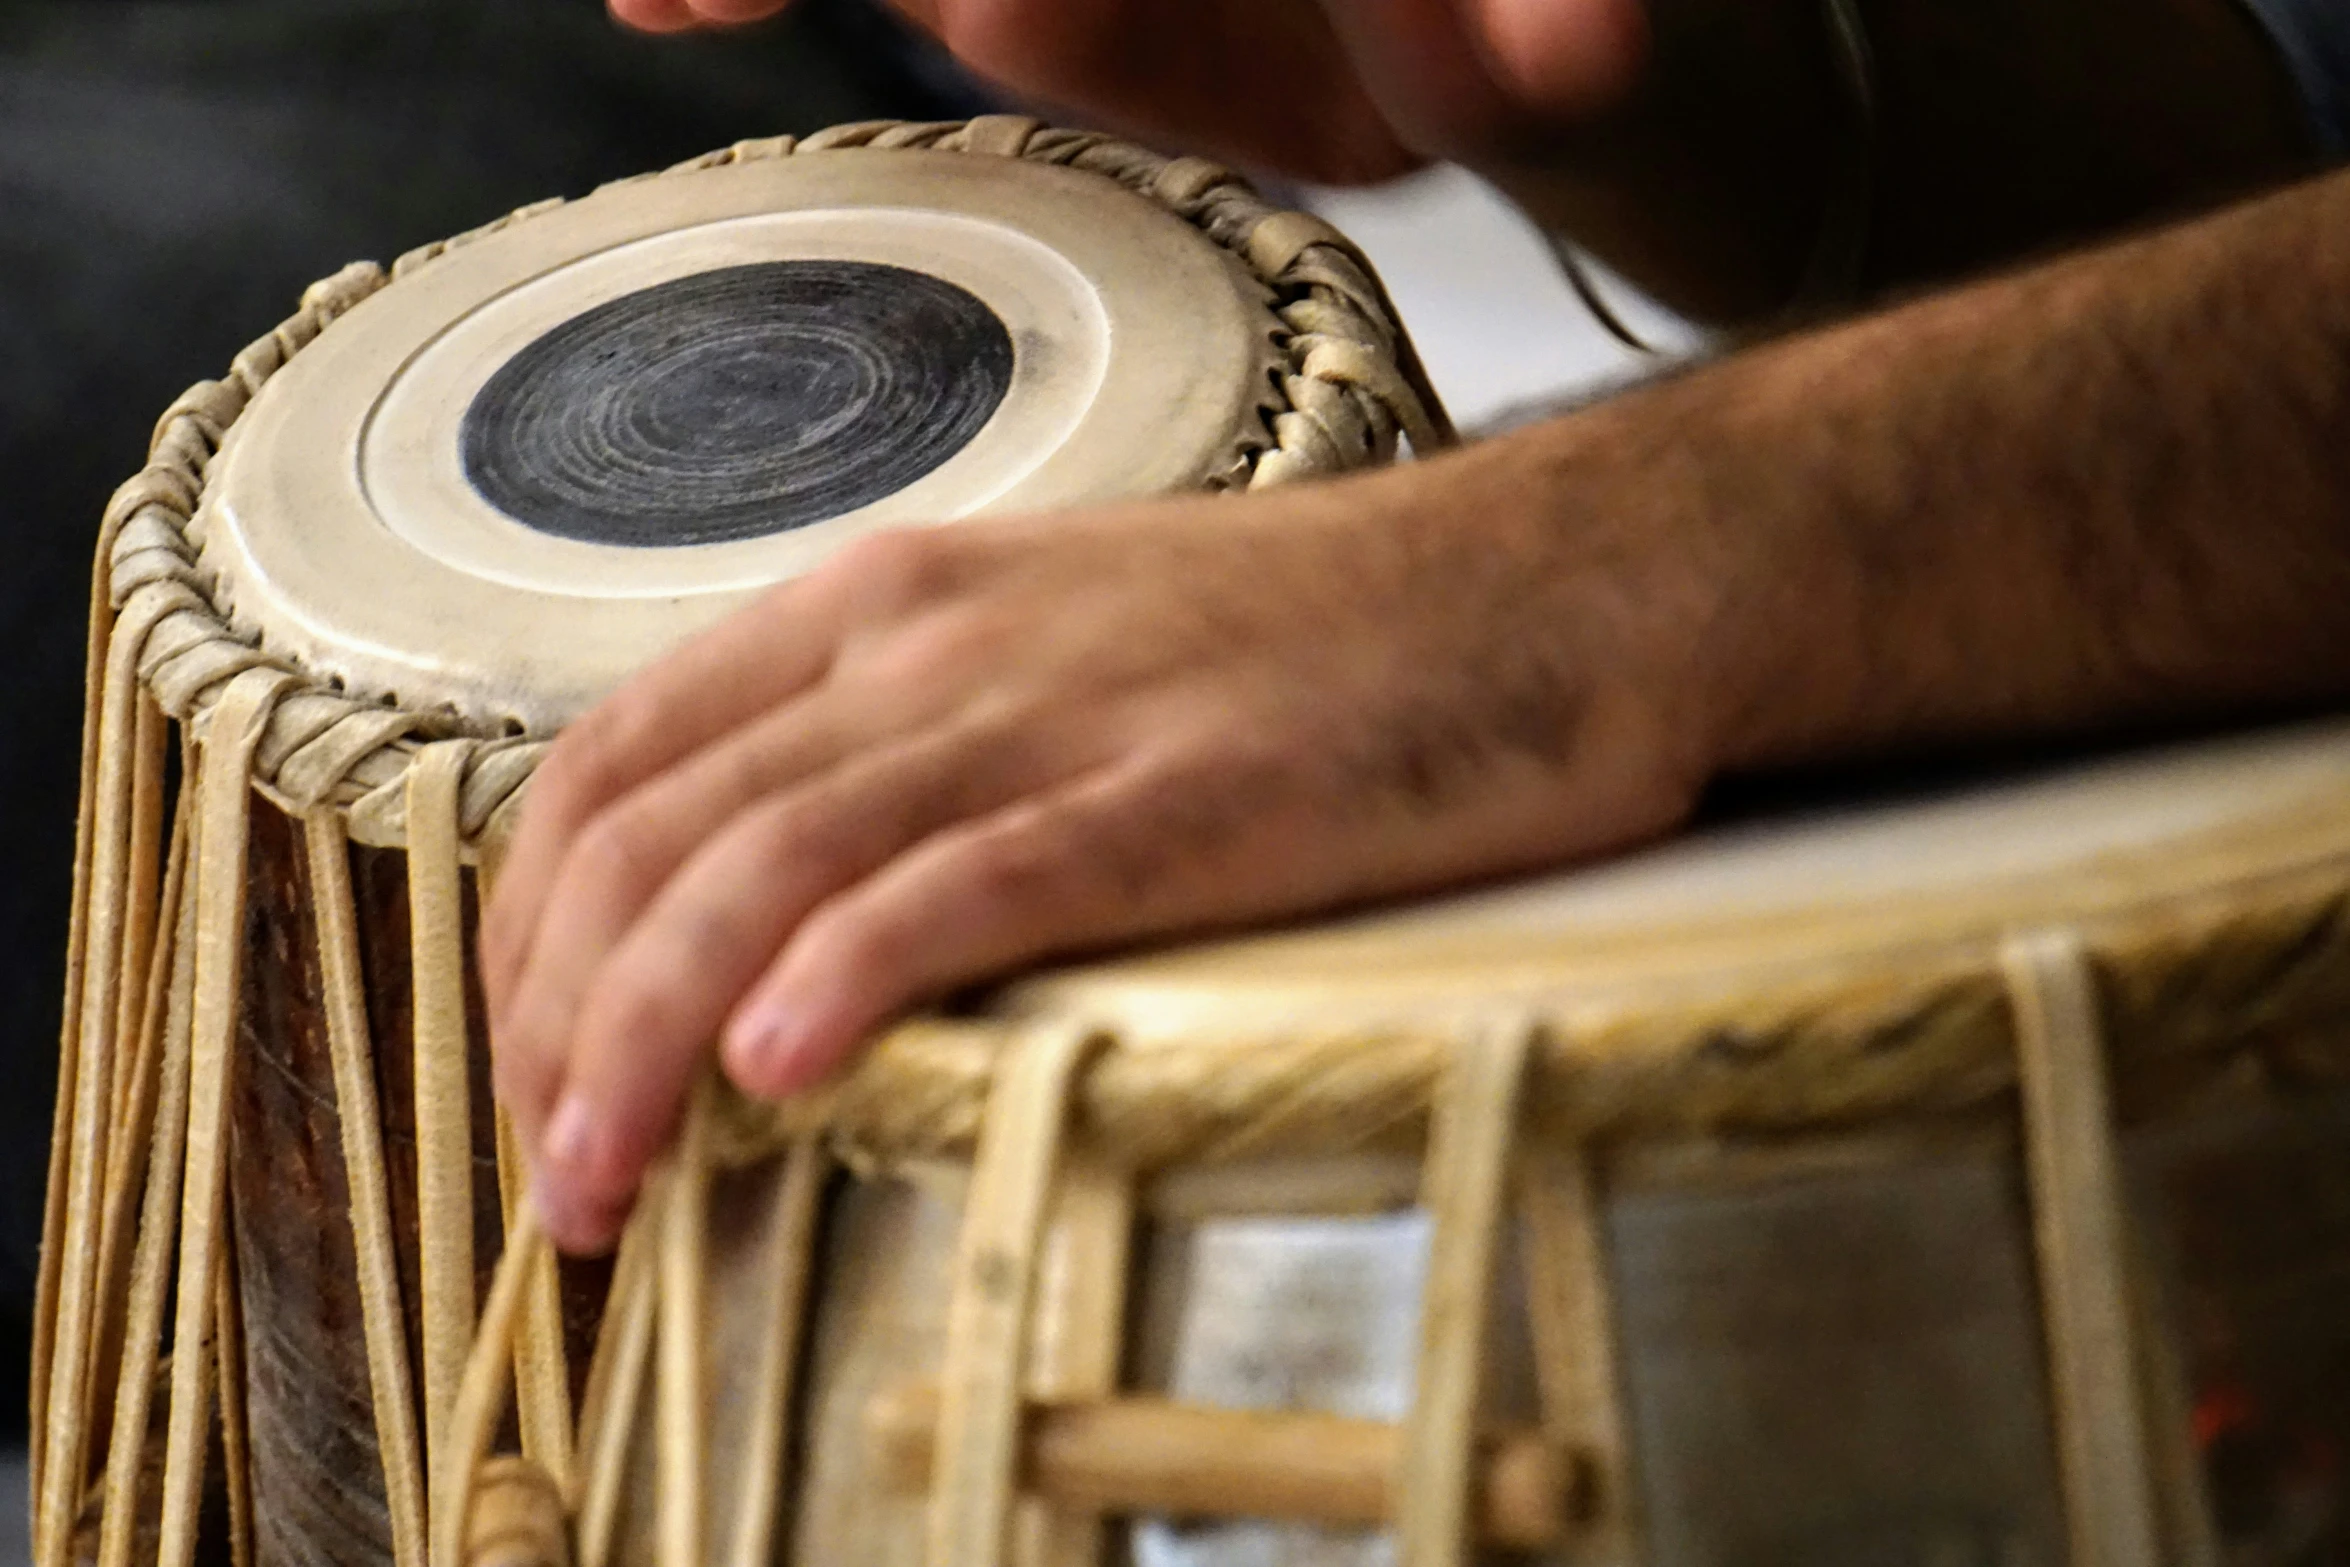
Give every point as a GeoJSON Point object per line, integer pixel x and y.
{"type": "Point", "coordinates": [736, 403]}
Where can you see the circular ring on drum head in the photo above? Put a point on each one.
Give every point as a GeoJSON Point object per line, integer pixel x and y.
{"type": "Point", "coordinates": [524, 471]}
{"type": "Point", "coordinates": [1038, 304]}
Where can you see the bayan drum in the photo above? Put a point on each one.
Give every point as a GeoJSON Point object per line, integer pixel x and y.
{"type": "Point", "coordinates": [1948, 1179]}
{"type": "Point", "coordinates": [364, 578]}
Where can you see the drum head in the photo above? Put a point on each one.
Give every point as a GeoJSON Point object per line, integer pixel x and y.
{"type": "Point", "coordinates": [519, 473]}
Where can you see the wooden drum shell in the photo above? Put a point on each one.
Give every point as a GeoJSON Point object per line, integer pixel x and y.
{"type": "Point", "coordinates": [316, 1471]}
{"type": "Point", "coordinates": [241, 1347]}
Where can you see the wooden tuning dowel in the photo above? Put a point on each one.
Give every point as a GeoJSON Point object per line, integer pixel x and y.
{"type": "Point", "coordinates": [1152, 1456]}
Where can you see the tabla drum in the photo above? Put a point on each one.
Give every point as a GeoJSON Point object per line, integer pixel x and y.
{"type": "Point", "coordinates": [367, 575]}
{"type": "Point", "coordinates": [1949, 1179]}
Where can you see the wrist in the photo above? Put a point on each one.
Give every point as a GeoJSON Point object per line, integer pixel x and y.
{"type": "Point", "coordinates": [1709, 528]}
{"type": "Point", "coordinates": [1616, 567]}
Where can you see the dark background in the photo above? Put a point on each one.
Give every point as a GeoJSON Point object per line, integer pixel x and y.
{"type": "Point", "coordinates": [172, 173]}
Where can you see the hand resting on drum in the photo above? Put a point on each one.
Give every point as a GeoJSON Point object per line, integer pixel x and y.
{"type": "Point", "coordinates": [2105, 491]}
{"type": "Point", "coordinates": [955, 750]}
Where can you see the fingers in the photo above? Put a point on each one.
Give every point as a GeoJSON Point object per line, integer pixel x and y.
{"type": "Point", "coordinates": [1465, 79]}
{"type": "Point", "coordinates": [617, 863]}
{"type": "Point", "coordinates": [670, 16]}
{"type": "Point", "coordinates": [1135, 850]}
{"type": "Point", "coordinates": [749, 663]}
{"type": "Point", "coordinates": [655, 16]}
{"type": "Point", "coordinates": [611, 1029]}
{"type": "Point", "coordinates": [1261, 82]}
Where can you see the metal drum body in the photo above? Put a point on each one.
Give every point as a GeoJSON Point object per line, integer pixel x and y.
{"type": "Point", "coordinates": [364, 580]}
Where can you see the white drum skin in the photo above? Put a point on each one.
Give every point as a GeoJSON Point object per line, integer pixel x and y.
{"type": "Point", "coordinates": [345, 535]}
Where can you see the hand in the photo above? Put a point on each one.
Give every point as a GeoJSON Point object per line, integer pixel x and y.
{"type": "Point", "coordinates": [955, 751]}
{"type": "Point", "coordinates": [1342, 91]}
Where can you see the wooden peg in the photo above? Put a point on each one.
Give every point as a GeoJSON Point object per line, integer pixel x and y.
{"type": "Point", "coordinates": [517, 1518]}
{"type": "Point", "coordinates": [1142, 1455]}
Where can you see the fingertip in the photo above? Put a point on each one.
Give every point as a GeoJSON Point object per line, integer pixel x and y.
{"type": "Point", "coordinates": [777, 1046]}
{"type": "Point", "coordinates": [729, 13]}
{"type": "Point", "coordinates": [1569, 57]}
{"type": "Point", "coordinates": [583, 1181]}
{"type": "Point", "coordinates": [578, 1227]}
{"type": "Point", "coordinates": [654, 16]}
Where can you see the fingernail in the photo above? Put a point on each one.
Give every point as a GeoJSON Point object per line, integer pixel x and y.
{"type": "Point", "coordinates": [759, 1048]}
{"type": "Point", "coordinates": [570, 1136]}
{"type": "Point", "coordinates": [554, 1210]}
{"type": "Point", "coordinates": [574, 1227]}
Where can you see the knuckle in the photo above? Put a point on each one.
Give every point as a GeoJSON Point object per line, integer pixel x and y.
{"type": "Point", "coordinates": [889, 572]}
{"type": "Point", "coordinates": [1019, 868]}
{"type": "Point", "coordinates": [617, 855]}
{"type": "Point", "coordinates": [695, 950]}
{"type": "Point", "coordinates": [589, 762]}
{"type": "Point", "coordinates": [941, 650]}
{"type": "Point", "coordinates": [1029, 858]}
{"type": "Point", "coordinates": [572, 779]}
{"type": "Point", "coordinates": [859, 944]}
{"type": "Point", "coordinates": [809, 838]}
{"type": "Point", "coordinates": [629, 1007]}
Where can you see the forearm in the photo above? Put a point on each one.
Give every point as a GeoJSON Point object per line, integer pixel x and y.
{"type": "Point", "coordinates": [2005, 128]}
{"type": "Point", "coordinates": [2110, 490]}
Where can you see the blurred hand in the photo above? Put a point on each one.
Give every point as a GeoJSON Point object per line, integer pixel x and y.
{"type": "Point", "coordinates": [1339, 91]}
{"type": "Point", "coordinates": [955, 751]}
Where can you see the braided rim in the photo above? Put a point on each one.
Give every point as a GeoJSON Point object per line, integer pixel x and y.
{"type": "Point", "coordinates": [1346, 386]}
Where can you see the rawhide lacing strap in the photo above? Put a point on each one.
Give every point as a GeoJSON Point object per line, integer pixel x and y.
{"type": "Point", "coordinates": [1465, 1191]}
{"type": "Point", "coordinates": [391, 1383]}
{"type": "Point", "coordinates": [224, 801]}
{"type": "Point", "coordinates": [2082, 1226]}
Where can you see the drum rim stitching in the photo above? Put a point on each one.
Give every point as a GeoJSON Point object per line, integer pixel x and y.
{"type": "Point", "coordinates": [1918, 1034]}
{"type": "Point", "coordinates": [328, 747]}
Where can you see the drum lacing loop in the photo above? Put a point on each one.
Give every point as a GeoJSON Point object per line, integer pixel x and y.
{"type": "Point", "coordinates": [657, 1307]}
{"type": "Point", "coordinates": [975, 1468]}
{"type": "Point", "coordinates": [616, 1379]}
{"type": "Point", "coordinates": [343, 987]}
{"type": "Point", "coordinates": [542, 1379]}
{"type": "Point", "coordinates": [682, 1404]}
{"type": "Point", "coordinates": [517, 1518]}
{"type": "Point", "coordinates": [2082, 1227]}
{"type": "Point", "coordinates": [224, 807]}
{"type": "Point", "coordinates": [785, 1254]}
{"type": "Point", "coordinates": [1275, 245]}
{"type": "Point", "coordinates": [151, 1263]}
{"type": "Point", "coordinates": [458, 1458]}
{"type": "Point", "coordinates": [1571, 1316]}
{"type": "Point", "coordinates": [442, 1072]}
{"type": "Point", "coordinates": [1465, 1189]}
{"type": "Point", "coordinates": [119, 773]}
